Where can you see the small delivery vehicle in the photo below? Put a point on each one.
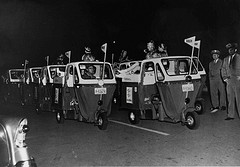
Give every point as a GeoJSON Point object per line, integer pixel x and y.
{"type": "Point", "coordinates": [199, 103]}
{"type": "Point", "coordinates": [50, 75]}
{"type": "Point", "coordinates": [31, 86]}
{"type": "Point", "coordinates": [164, 88]}
{"type": "Point", "coordinates": [12, 91]}
{"type": "Point", "coordinates": [85, 97]}
{"type": "Point", "coordinates": [13, 148]}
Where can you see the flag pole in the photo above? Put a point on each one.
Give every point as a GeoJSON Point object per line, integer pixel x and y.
{"type": "Point", "coordinates": [25, 67]}
{"type": "Point", "coordinates": [198, 56]}
{"type": "Point", "coordinates": [104, 60]}
{"type": "Point", "coordinates": [191, 61]}
{"type": "Point", "coordinates": [104, 49]}
{"type": "Point", "coordinates": [47, 59]}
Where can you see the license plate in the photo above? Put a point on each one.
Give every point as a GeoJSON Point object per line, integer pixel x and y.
{"type": "Point", "coordinates": [100, 91]}
{"type": "Point", "coordinates": [187, 87]}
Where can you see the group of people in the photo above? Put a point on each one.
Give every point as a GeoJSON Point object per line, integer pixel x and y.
{"type": "Point", "coordinates": [153, 52]}
{"type": "Point", "coordinates": [224, 79]}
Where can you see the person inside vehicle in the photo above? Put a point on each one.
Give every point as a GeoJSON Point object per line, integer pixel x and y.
{"type": "Point", "coordinates": [123, 57]}
{"type": "Point", "coordinates": [88, 56]}
{"type": "Point", "coordinates": [162, 50]}
{"type": "Point", "coordinates": [151, 51]}
{"type": "Point", "coordinates": [89, 72]}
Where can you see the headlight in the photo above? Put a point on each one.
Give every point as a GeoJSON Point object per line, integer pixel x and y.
{"type": "Point", "coordinates": [21, 133]}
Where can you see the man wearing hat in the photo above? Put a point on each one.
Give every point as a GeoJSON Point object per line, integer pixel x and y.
{"type": "Point", "coordinates": [231, 75]}
{"type": "Point", "coordinates": [88, 55]}
{"type": "Point", "coordinates": [217, 88]}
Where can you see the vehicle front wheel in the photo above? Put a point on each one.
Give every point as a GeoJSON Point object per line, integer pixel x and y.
{"type": "Point", "coordinates": [192, 120]}
{"type": "Point", "coordinates": [102, 121]}
{"type": "Point", "coordinates": [199, 106]}
{"type": "Point", "coordinates": [133, 117]}
{"type": "Point", "coordinates": [59, 117]}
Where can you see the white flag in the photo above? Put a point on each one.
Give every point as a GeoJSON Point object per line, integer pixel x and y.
{"type": "Point", "coordinates": [26, 61]}
{"type": "Point", "coordinates": [197, 44]}
{"type": "Point", "coordinates": [104, 48]}
{"type": "Point", "coordinates": [68, 54]}
{"type": "Point", "coordinates": [190, 41]}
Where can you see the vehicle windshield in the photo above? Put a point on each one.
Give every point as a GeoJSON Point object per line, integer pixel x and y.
{"type": "Point", "coordinates": [95, 71]}
{"type": "Point", "coordinates": [15, 74]}
{"type": "Point", "coordinates": [178, 66]}
{"type": "Point", "coordinates": [36, 74]}
{"type": "Point", "coordinates": [57, 71]}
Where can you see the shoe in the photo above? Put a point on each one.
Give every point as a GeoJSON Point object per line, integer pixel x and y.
{"type": "Point", "coordinates": [223, 108]}
{"type": "Point", "coordinates": [213, 110]}
{"type": "Point", "coordinates": [229, 118]}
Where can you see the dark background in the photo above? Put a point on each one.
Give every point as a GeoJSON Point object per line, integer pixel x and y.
{"type": "Point", "coordinates": [34, 29]}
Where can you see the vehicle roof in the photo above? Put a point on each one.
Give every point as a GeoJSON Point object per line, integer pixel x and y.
{"type": "Point", "coordinates": [167, 57]}
{"type": "Point", "coordinates": [88, 62]}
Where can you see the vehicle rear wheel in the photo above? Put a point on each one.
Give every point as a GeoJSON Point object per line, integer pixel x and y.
{"type": "Point", "coordinates": [102, 121]}
{"type": "Point", "coordinates": [192, 120]}
{"type": "Point", "coordinates": [59, 117]}
{"type": "Point", "coordinates": [199, 106]}
{"type": "Point", "coordinates": [133, 117]}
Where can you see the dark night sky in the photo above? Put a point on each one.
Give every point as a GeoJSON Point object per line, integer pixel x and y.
{"type": "Point", "coordinates": [34, 29]}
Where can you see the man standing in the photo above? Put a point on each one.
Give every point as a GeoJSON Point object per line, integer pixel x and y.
{"type": "Point", "coordinates": [231, 75]}
{"type": "Point", "coordinates": [217, 88]}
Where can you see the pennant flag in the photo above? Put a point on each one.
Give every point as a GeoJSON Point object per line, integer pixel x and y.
{"type": "Point", "coordinates": [104, 48]}
{"type": "Point", "coordinates": [197, 44]}
{"type": "Point", "coordinates": [190, 41]}
{"type": "Point", "coordinates": [68, 54]}
{"type": "Point", "coordinates": [26, 61]}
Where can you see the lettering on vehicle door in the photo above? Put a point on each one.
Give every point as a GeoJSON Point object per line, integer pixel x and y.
{"type": "Point", "coordinates": [129, 95]}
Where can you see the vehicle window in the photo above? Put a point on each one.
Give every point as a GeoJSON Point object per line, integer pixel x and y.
{"type": "Point", "coordinates": [36, 74]}
{"type": "Point", "coordinates": [70, 70]}
{"type": "Point", "coordinates": [149, 66]}
{"type": "Point", "coordinates": [182, 67]}
{"type": "Point", "coordinates": [198, 64]}
{"type": "Point", "coordinates": [4, 160]}
{"type": "Point", "coordinates": [57, 71]}
{"type": "Point", "coordinates": [123, 66]}
{"type": "Point", "coordinates": [17, 74]}
{"type": "Point", "coordinates": [160, 75]}
{"type": "Point", "coordinates": [46, 74]}
{"type": "Point", "coordinates": [76, 75]}
{"type": "Point", "coordinates": [178, 66]}
{"type": "Point", "coordinates": [95, 71]}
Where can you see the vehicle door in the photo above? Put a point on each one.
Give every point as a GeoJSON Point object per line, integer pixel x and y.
{"type": "Point", "coordinates": [147, 87]}
{"type": "Point", "coordinates": [68, 87]}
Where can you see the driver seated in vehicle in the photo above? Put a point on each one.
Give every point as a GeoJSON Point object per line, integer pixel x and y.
{"type": "Point", "coordinates": [89, 72]}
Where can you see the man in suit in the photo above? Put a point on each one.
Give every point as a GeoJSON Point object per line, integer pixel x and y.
{"type": "Point", "coordinates": [217, 87]}
{"type": "Point", "coordinates": [231, 75]}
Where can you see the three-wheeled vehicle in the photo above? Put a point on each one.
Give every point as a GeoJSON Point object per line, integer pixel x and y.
{"type": "Point", "coordinates": [50, 75]}
{"type": "Point", "coordinates": [162, 88]}
{"type": "Point", "coordinates": [13, 148]}
{"type": "Point", "coordinates": [126, 67]}
{"type": "Point", "coordinates": [86, 94]}
{"type": "Point", "coordinates": [12, 86]}
{"type": "Point", "coordinates": [31, 86]}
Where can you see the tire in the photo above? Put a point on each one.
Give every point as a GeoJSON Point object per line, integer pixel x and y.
{"type": "Point", "coordinates": [38, 109]}
{"type": "Point", "coordinates": [133, 117]}
{"type": "Point", "coordinates": [192, 120]}
{"type": "Point", "coordinates": [199, 106]}
{"type": "Point", "coordinates": [102, 121]}
{"type": "Point", "coordinates": [59, 117]}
